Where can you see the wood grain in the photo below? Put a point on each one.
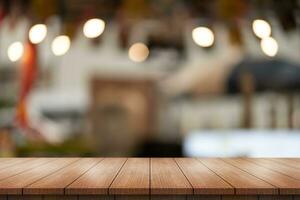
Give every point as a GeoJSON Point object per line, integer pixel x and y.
{"type": "Point", "coordinates": [15, 184]}
{"type": "Point", "coordinates": [8, 162]}
{"type": "Point", "coordinates": [134, 178]}
{"type": "Point", "coordinates": [167, 178]}
{"type": "Point", "coordinates": [23, 166]}
{"type": "Point", "coordinates": [149, 178]}
{"type": "Point", "coordinates": [56, 183]}
{"type": "Point", "coordinates": [285, 184]}
{"type": "Point", "coordinates": [288, 162]}
{"type": "Point", "coordinates": [243, 182]}
{"type": "Point", "coordinates": [278, 167]}
{"type": "Point", "coordinates": [98, 179]}
{"type": "Point", "coordinates": [202, 179]}
{"type": "Point", "coordinates": [5, 159]}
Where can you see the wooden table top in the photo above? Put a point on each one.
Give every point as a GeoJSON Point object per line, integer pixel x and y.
{"type": "Point", "coordinates": [145, 176]}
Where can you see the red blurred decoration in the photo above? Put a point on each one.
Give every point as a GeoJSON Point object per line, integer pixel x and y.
{"type": "Point", "coordinates": [28, 73]}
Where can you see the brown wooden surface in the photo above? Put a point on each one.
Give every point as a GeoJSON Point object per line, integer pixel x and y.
{"type": "Point", "coordinates": [139, 178]}
{"type": "Point", "coordinates": [167, 178]}
{"type": "Point", "coordinates": [134, 178]}
{"type": "Point", "coordinates": [19, 167]}
{"type": "Point", "coordinates": [98, 179]}
{"type": "Point", "coordinates": [203, 180]}
{"type": "Point", "coordinates": [57, 182]}
{"type": "Point", "coordinates": [15, 184]}
{"type": "Point", "coordinates": [5, 163]}
{"type": "Point", "coordinates": [286, 184]}
{"type": "Point", "coordinates": [278, 167]}
{"type": "Point", "coordinates": [243, 182]}
{"type": "Point", "coordinates": [289, 162]}
{"type": "Point", "coordinates": [154, 197]}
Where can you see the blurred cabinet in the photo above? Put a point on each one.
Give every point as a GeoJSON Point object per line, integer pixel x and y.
{"type": "Point", "coordinates": [122, 114]}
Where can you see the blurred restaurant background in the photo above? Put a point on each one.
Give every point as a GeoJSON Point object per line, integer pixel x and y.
{"type": "Point", "coordinates": [150, 78]}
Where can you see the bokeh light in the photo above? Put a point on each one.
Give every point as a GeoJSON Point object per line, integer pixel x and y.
{"type": "Point", "coordinates": [203, 36]}
{"type": "Point", "coordinates": [138, 52]}
{"type": "Point", "coordinates": [93, 28]}
{"type": "Point", "coordinates": [269, 46]}
{"type": "Point", "coordinates": [261, 28]}
{"type": "Point", "coordinates": [37, 33]}
{"type": "Point", "coordinates": [61, 45]}
{"type": "Point", "coordinates": [15, 51]}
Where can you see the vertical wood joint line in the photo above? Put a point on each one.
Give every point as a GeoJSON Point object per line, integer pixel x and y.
{"type": "Point", "coordinates": [150, 164]}
{"type": "Point", "coordinates": [278, 189]}
{"type": "Point", "coordinates": [268, 168]}
{"type": "Point", "coordinates": [56, 170]}
{"type": "Point", "coordinates": [41, 164]}
{"type": "Point", "coordinates": [108, 189]}
{"type": "Point", "coordinates": [234, 189]}
{"type": "Point", "coordinates": [184, 176]}
{"type": "Point", "coordinates": [81, 176]}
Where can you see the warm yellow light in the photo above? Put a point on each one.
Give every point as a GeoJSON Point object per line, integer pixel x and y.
{"type": "Point", "coordinates": [60, 45]}
{"type": "Point", "coordinates": [203, 36]}
{"type": "Point", "coordinates": [37, 33]}
{"type": "Point", "coordinates": [138, 52]}
{"type": "Point", "coordinates": [269, 46]}
{"type": "Point", "coordinates": [93, 28]}
{"type": "Point", "coordinates": [261, 28]}
{"type": "Point", "coordinates": [15, 51]}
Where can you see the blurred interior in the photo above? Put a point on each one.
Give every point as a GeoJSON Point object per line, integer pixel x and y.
{"type": "Point", "coordinates": [150, 78]}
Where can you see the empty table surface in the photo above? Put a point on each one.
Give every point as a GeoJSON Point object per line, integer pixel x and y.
{"type": "Point", "coordinates": [149, 176]}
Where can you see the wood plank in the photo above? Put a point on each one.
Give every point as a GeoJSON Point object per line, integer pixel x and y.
{"type": "Point", "coordinates": [2, 159]}
{"type": "Point", "coordinates": [56, 183]}
{"type": "Point", "coordinates": [15, 184]}
{"type": "Point", "coordinates": [296, 159]}
{"type": "Point", "coordinates": [98, 179]}
{"type": "Point", "coordinates": [278, 167]}
{"type": "Point", "coordinates": [26, 165]}
{"type": "Point", "coordinates": [243, 182]}
{"type": "Point", "coordinates": [156, 197]}
{"type": "Point", "coordinates": [167, 178]}
{"type": "Point", "coordinates": [288, 162]}
{"type": "Point", "coordinates": [134, 178]}
{"type": "Point", "coordinates": [202, 179]}
{"type": "Point", "coordinates": [6, 163]}
{"type": "Point", "coordinates": [6, 159]}
{"type": "Point", "coordinates": [286, 184]}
